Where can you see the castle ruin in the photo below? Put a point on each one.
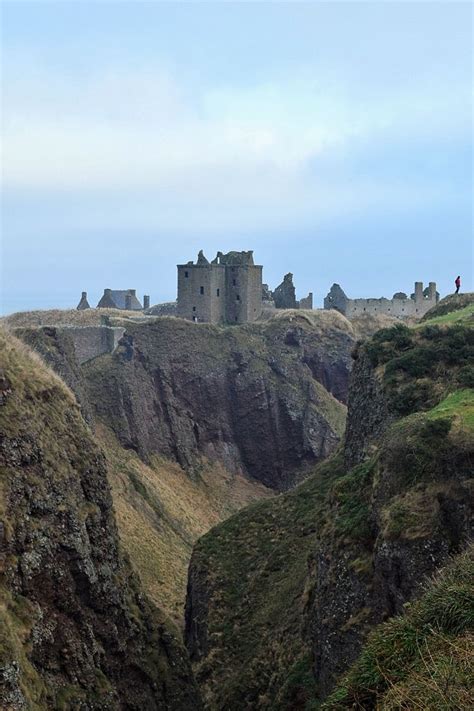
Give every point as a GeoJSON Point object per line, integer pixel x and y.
{"type": "Point", "coordinates": [124, 299]}
{"type": "Point", "coordinates": [284, 296]}
{"type": "Point", "coordinates": [400, 306]}
{"type": "Point", "coordinates": [226, 290]}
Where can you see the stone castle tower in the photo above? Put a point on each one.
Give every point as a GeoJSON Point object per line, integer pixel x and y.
{"type": "Point", "coordinates": [226, 290]}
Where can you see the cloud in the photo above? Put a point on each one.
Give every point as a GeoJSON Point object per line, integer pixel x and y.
{"type": "Point", "coordinates": [207, 155]}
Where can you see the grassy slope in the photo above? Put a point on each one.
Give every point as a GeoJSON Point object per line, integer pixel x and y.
{"type": "Point", "coordinates": [450, 305]}
{"type": "Point", "coordinates": [259, 560]}
{"type": "Point", "coordinates": [69, 317]}
{"type": "Point", "coordinates": [30, 380]}
{"type": "Point", "coordinates": [257, 563]}
{"type": "Point", "coordinates": [423, 659]}
{"type": "Point", "coordinates": [41, 408]}
{"type": "Point", "coordinates": [161, 512]}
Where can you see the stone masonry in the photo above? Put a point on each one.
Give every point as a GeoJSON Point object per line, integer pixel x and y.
{"type": "Point", "coordinates": [92, 341]}
{"type": "Point", "coordinates": [400, 306]}
{"type": "Point", "coordinates": [125, 299]}
{"type": "Point", "coordinates": [226, 290]}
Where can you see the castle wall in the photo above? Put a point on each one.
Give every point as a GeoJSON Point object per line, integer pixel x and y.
{"type": "Point", "coordinates": [254, 303]}
{"type": "Point", "coordinates": [400, 308]}
{"type": "Point", "coordinates": [243, 293]}
{"type": "Point", "coordinates": [218, 302]}
{"type": "Point", "coordinates": [306, 302]}
{"type": "Point", "coordinates": [92, 341]}
{"type": "Point", "coordinates": [201, 292]}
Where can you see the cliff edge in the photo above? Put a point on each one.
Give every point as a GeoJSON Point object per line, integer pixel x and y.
{"type": "Point", "coordinates": [281, 596]}
{"type": "Point", "coordinates": [76, 629]}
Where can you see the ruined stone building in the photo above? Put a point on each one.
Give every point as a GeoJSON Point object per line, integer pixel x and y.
{"type": "Point", "coordinates": [125, 299]}
{"type": "Point", "coordinates": [226, 290]}
{"type": "Point", "coordinates": [400, 305]}
{"type": "Point", "coordinates": [284, 296]}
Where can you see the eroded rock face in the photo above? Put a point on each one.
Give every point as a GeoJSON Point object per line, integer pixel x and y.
{"type": "Point", "coordinates": [77, 632]}
{"type": "Point", "coordinates": [282, 596]}
{"type": "Point", "coordinates": [264, 399]}
{"type": "Point", "coordinates": [256, 398]}
{"type": "Point", "coordinates": [56, 348]}
{"type": "Point", "coordinates": [367, 415]}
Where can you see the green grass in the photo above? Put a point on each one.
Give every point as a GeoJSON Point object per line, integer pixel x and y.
{"type": "Point", "coordinates": [465, 316]}
{"type": "Point", "coordinates": [459, 405]}
{"type": "Point", "coordinates": [422, 659]}
{"type": "Point", "coordinates": [419, 367]}
{"type": "Point", "coordinates": [450, 306]}
{"type": "Point", "coordinates": [350, 498]}
{"type": "Point", "coordinates": [262, 566]}
{"type": "Point", "coordinates": [257, 561]}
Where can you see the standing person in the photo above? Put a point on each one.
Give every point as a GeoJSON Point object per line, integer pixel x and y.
{"type": "Point", "coordinates": [457, 282]}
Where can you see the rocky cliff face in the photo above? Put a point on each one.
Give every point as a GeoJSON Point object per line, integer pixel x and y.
{"type": "Point", "coordinates": [198, 421]}
{"type": "Point", "coordinates": [282, 596]}
{"type": "Point", "coordinates": [76, 629]}
{"type": "Point", "coordinates": [263, 399]}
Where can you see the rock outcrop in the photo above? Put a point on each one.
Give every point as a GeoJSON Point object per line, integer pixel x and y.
{"type": "Point", "coordinates": [197, 421]}
{"type": "Point", "coordinates": [76, 628]}
{"type": "Point", "coordinates": [282, 596]}
{"type": "Point", "coordinates": [263, 399]}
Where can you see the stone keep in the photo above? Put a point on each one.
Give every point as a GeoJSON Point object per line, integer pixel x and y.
{"type": "Point", "coordinates": [226, 290]}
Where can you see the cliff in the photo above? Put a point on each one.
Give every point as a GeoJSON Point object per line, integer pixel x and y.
{"type": "Point", "coordinates": [281, 596]}
{"type": "Point", "coordinates": [423, 658]}
{"type": "Point", "coordinates": [76, 629]}
{"type": "Point", "coordinates": [262, 399]}
{"type": "Point", "coordinates": [198, 421]}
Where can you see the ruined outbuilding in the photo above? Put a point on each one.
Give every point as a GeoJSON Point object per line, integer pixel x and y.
{"type": "Point", "coordinates": [400, 306]}
{"type": "Point", "coordinates": [124, 299]}
{"type": "Point", "coordinates": [226, 290]}
{"type": "Point", "coordinates": [284, 295]}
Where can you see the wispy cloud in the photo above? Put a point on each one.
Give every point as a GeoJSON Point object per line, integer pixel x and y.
{"type": "Point", "coordinates": [143, 129]}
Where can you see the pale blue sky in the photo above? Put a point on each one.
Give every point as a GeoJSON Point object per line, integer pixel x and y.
{"type": "Point", "coordinates": [334, 139]}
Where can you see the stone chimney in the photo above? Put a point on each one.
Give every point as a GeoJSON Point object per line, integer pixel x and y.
{"type": "Point", "coordinates": [83, 303]}
{"type": "Point", "coordinates": [128, 302]}
{"type": "Point", "coordinates": [146, 302]}
{"type": "Point", "coordinates": [432, 291]}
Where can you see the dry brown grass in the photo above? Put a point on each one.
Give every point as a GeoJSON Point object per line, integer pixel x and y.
{"type": "Point", "coordinates": [318, 318]}
{"type": "Point", "coordinates": [365, 326]}
{"type": "Point", "coordinates": [27, 369]}
{"type": "Point", "coordinates": [68, 317]}
{"type": "Point", "coordinates": [161, 512]}
{"type": "Point", "coordinates": [443, 680]}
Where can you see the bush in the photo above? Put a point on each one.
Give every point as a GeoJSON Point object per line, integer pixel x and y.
{"type": "Point", "coordinates": [388, 342]}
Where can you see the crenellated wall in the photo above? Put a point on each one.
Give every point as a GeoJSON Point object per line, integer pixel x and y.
{"type": "Point", "coordinates": [400, 306]}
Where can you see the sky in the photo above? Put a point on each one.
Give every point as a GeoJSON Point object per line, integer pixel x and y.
{"type": "Point", "coordinates": [334, 139]}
